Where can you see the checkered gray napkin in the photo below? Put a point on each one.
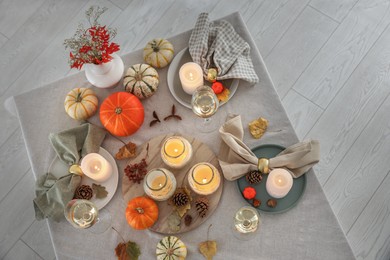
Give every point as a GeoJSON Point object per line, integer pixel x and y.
{"type": "Point", "coordinates": [217, 45]}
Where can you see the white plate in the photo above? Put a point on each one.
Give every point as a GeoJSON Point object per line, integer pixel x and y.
{"type": "Point", "coordinates": [174, 83]}
{"type": "Point", "coordinates": [57, 166]}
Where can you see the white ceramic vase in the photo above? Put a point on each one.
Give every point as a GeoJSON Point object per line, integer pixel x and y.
{"type": "Point", "coordinates": [105, 75]}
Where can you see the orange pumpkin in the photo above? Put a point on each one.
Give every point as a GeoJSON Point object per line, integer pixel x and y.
{"type": "Point", "coordinates": [122, 113]}
{"type": "Point", "coordinates": [141, 212]}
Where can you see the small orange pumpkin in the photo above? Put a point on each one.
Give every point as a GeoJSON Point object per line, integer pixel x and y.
{"type": "Point", "coordinates": [122, 113]}
{"type": "Point", "coordinates": [141, 212]}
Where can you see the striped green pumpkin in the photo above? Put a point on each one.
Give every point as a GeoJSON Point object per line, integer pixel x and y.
{"type": "Point", "coordinates": [171, 248]}
{"type": "Point", "coordinates": [141, 80]}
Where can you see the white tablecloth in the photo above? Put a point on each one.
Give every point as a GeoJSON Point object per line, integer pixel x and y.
{"type": "Point", "coordinates": [308, 231]}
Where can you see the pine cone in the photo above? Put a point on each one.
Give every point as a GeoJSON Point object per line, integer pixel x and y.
{"type": "Point", "coordinates": [202, 206]}
{"type": "Point", "coordinates": [180, 198]}
{"type": "Point", "coordinates": [253, 177]}
{"type": "Point", "coordinates": [84, 192]}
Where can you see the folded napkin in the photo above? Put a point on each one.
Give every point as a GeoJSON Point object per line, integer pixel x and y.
{"type": "Point", "coordinates": [52, 193]}
{"type": "Point", "coordinates": [236, 159]}
{"type": "Point", "coordinates": [217, 45]}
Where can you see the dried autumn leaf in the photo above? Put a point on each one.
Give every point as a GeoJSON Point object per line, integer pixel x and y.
{"type": "Point", "coordinates": [133, 250]}
{"type": "Point", "coordinates": [208, 248]}
{"type": "Point", "coordinates": [258, 127]}
{"type": "Point", "coordinates": [128, 251]}
{"type": "Point", "coordinates": [126, 151]}
{"type": "Point", "coordinates": [174, 222]}
{"type": "Point", "coordinates": [99, 190]}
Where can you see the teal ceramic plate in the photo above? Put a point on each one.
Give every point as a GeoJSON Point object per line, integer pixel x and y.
{"type": "Point", "coordinates": [284, 204]}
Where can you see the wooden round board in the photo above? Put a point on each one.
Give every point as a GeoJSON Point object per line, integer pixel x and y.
{"type": "Point", "coordinates": [201, 153]}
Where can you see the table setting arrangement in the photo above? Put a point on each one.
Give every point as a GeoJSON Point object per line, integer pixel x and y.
{"type": "Point", "coordinates": [181, 150]}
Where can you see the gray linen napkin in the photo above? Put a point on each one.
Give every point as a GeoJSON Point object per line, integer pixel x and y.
{"type": "Point", "coordinates": [218, 45]}
{"type": "Point", "coordinates": [236, 159]}
{"type": "Point", "coordinates": [52, 193]}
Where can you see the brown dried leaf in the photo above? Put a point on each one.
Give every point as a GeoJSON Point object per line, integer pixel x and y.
{"type": "Point", "coordinates": [174, 222]}
{"type": "Point", "coordinates": [99, 190]}
{"type": "Point", "coordinates": [258, 127]}
{"type": "Point", "coordinates": [127, 251]}
{"type": "Point", "coordinates": [208, 249]}
{"type": "Point", "coordinates": [126, 151]}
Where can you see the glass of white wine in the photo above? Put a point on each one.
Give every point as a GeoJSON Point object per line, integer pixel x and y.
{"type": "Point", "coordinates": [246, 223]}
{"type": "Point", "coordinates": [204, 104]}
{"type": "Point", "coordinates": [84, 214]}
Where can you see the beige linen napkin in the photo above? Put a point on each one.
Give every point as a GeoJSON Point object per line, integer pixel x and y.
{"type": "Point", "coordinates": [236, 159]}
{"type": "Point", "coordinates": [52, 193]}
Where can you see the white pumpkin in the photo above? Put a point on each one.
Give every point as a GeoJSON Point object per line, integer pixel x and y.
{"type": "Point", "coordinates": [171, 248]}
{"type": "Point", "coordinates": [81, 103]}
{"type": "Point", "coordinates": [141, 80]}
{"type": "Point", "coordinates": [158, 53]}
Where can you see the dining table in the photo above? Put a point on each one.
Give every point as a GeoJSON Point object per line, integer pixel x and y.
{"type": "Point", "coordinates": [309, 230]}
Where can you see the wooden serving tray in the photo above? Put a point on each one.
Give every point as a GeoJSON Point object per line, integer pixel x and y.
{"type": "Point", "coordinates": [201, 153]}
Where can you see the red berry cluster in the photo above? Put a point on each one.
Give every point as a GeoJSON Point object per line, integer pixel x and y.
{"type": "Point", "coordinates": [137, 171]}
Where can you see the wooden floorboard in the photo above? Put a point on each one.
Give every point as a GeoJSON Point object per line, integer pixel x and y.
{"type": "Point", "coordinates": [271, 20]}
{"type": "Point", "coordinates": [346, 189]}
{"type": "Point", "coordinates": [302, 113]}
{"type": "Point", "coordinates": [16, 13]}
{"type": "Point", "coordinates": [21, 252]}
{"type": "Point", "coordinates": [329, 60]}
{"type": "Point", "coordinates": [293, 53]}
{"type": "Point", "coordinates": [336, 9]}
{"type": "Point", "coordinates": [347, 46]}
{"type": "Point", "coordinates": [17, 213]}
{"type": "Point", "coordinates": [353, 107]}
{"type": "Point", "coordinates": [369, 236]}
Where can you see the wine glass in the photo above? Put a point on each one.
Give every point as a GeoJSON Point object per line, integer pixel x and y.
{"type": "Point", "coordinates": [84, 214]}
{"type": "Point", "coordinates": [246, 223]}
{"type": "Point", "coordinates": [204, 104]}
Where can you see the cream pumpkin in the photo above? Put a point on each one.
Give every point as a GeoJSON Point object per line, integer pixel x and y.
{"type": "Point", "coordinates": [158, 53]}
{"type": "Point", "coordinates": [171, 248]}
{"type": "Point", "coordinates": [141, 80]}
{"type": "Point", "coordinates": [81, 103]}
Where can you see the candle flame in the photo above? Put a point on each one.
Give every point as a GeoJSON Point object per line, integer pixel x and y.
{"type": "Point", "coordinates": [204, 180]}
{"type": "Point", "coordinates": [191, 76]}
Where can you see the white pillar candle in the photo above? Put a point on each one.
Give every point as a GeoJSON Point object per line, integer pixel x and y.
{"type": "Point", "coordinates": [191, 77]}
{"type": "Point", "coordinates": [176, 152]}
{"type": "Point", "coordinates": [204, 178]}
{"type": "Point", "coordinates": [159, 184]}
{"type": "Point", "coordinates": [279, 183]}
{"type": "Point", "coordinates": [96, 167]}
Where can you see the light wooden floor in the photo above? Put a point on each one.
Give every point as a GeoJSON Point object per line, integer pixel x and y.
{"type": "Point", "coordinates": [329, 60]}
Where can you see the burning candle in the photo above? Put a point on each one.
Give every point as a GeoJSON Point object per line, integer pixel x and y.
{"type": "Point", "coordinates": [176, 152]}
{"type": "Point", "coordinates": [159, 184]}
{"type": "Point", "coordinates": [204, 178]}
{"type": "Point", "coordinates": [279, 183]}
{"type": "Point", "coordinates": [191, 77]}
{"type": "Point", "coordinates": [96, 167]}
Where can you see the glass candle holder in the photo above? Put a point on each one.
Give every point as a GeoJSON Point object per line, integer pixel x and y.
{"type": "Point", "coordinates": [159, 184]}
{"type": "Point", "coordinates": [176, 152]}
{"type": "Point", "coordinates": [204, 178]}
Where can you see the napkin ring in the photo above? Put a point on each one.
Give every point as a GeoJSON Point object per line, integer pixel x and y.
{"type": "Point", "coordinates": [212, 74]}
{"type": "Point", "coordinates": [263, 165]}
{"type": "Point", "coordinates": [75, 169]}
